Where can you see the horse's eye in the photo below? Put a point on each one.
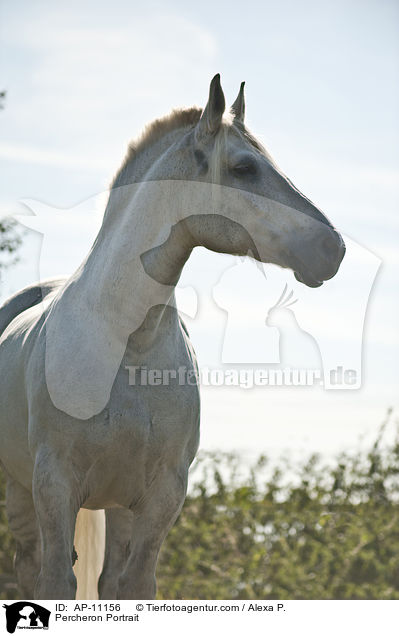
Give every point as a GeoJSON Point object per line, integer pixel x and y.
{"type": "Point", "coordinates": [245, 168]}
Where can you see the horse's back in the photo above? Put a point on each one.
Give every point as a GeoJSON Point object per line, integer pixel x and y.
{"type": "Point", "coordinates": [26, 298]}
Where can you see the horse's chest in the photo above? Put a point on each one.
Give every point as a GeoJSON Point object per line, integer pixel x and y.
{"type": "Point", "coordinates": [156, 402]}
{"type": "Point", "coordinates": [155, 397]}
{"type": "Point", "coordinates": [160, 381]}
{"type": "Point", "coordinates": [145, 431]}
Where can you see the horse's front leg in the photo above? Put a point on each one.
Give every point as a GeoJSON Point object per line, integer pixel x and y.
{"type": "Point", "coordinates": [22, 519]}
{"type": "Point", "coordinates": [117, 543]}
{"type": "Point", "coordinates": [152, 520]}
{"type": "Point", "coordinates": [56, 502]}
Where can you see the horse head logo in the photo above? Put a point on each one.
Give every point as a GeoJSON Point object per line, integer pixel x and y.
{"type": "Point", "coordinates": [27, 615]}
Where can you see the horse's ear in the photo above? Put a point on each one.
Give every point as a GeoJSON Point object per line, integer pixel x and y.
{"type": "Point", "coordinates": [211, 117]}
{"type": "Point", "coordinates": [238, 108]}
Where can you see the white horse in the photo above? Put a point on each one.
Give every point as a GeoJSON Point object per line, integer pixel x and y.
{"type": "Point", "coordinates": [79, 427]}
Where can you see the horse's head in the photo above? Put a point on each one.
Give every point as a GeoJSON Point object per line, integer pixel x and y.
{"type": "Point", "coordinates": [257, 210]}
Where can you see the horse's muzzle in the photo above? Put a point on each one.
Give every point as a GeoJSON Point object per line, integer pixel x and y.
{"type": "Point", "coordinates": [331, 252]}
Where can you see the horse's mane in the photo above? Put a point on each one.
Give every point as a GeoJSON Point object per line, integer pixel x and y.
{"type": "Point", "coordinates": [177, 118]}
{"type": "Point", "coordinates": [155, 130]}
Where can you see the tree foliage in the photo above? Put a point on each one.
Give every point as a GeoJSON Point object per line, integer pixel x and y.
{"type": "Point", "coordinates": [324, 532]}
{"type": "Point", "coordinates": [9, 238]}
{"type": "Point", "coordinates": [10, 241]}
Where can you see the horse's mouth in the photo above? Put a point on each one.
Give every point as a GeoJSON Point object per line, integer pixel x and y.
{"type": "Point", "coordinates": [308, 280]}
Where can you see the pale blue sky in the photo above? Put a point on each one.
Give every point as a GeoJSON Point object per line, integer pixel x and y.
{"type": "Point", "coordinates": [322, 94]}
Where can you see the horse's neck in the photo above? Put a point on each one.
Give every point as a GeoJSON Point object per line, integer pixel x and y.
{"type": "Point", "coordinates": [123, 288]}
{"type": "Point", "coordinates": [136, 260]}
